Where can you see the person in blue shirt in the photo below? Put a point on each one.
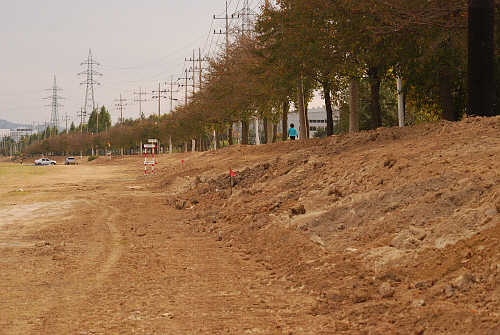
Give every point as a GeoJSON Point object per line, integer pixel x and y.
{"type": "Point", "coordinates": [292, 132]}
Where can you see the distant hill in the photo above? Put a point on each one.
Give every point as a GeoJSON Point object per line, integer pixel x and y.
{"type": "Point", "coordinates": [4, 124]}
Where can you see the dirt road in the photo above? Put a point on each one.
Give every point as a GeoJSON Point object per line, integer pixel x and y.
{"type": "Point", "coordinates": [95, 249]}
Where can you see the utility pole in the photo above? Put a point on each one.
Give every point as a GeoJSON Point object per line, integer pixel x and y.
{"type": "Point", "coordinates": [200, 60]}
{"type": "Point", "coordinates": [140, 104]}
{"type": "Point", "coordinates": [120, 106]}
{"type": "Point", "coordinates": [230, 128]}
{"type": "Point", "coordinates": [194, 68]}
{"type": "Point", "coordinates": [66, 118]}
{"type": "Point", "coordinates": [227, 27]}
{"type": "Point", "coordinates": [97, 118]}
{"type": "Point", "coordinates": [186, 86]}
{"type": "Point", "coordinates": [186, 78]}
{"type": "Point", "coordinates": [81, 120]}
{"type": "Point", "coordinates": [171, 91]}
{"type": "Point", "coordinates": [81, 126]}
{"type": "Point", "coordinates": [159, 96]}
{"type": "Point", "coordinates": [89, 94]}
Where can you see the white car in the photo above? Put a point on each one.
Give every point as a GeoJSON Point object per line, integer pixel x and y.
{"type": "Point", "coordinates": [45, 161]}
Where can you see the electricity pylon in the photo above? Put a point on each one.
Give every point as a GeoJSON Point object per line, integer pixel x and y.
{"type": "Point", "coordinates": [245, 14]}
{"type": "Point", "coordinates": [89, 94]}
{"type": "Point", "coordinates": [54, 116]}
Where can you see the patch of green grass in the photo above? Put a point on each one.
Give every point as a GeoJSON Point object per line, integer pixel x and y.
{"type": "Point", "coordinates": [6, 169]}
{"type": "Point", "coordinates": [18, 192]}
{"type": "Point", "coordinates": [18, 169]}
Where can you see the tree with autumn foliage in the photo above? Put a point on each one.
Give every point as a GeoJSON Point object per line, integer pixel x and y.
{"type": "Point", "coordinates": [422, 41]}
{"type": "Point", "coordinates": [321, 40]}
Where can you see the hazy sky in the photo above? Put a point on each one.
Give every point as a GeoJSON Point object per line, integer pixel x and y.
{"type": "Point", "coordinates": [137, 44]}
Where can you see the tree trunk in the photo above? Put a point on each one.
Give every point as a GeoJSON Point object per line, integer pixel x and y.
{"type": "Point", "coordinates": [286, 109]}
{"type": "Point", "coordinates": [275, 133]}
{"type": "Point", "coordinates": [353, 105]}
{"type": "Point", "coordinates": [481, 58]}
{"type": "Point", "coordinates": [375, 97]}
{"type": "Point", "coordinates": [266, 132]}
{"type": "Point", "coordinates": [257, 131]}
{"type": "Point", "coordinates": [244, 132]}
{"type": "Point", "coordinates": [401, 102]}
{"type": "Point", "coordinates": [306, 117]}
{"type": "Point", "coordinates": [302, 119]}
{"type": "Point", "coordinates": [328, 106]}
{"type": "Point", "coordinates": [446, 97]}
{"type": "Point", "coordinates": [230, 135]}
{"type": "Point", "coordinates": [269, 132]}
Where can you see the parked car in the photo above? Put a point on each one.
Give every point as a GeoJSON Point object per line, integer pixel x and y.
{"type": "Point", "coordinates": [45, 161]}
{"type": "Point", "coordinates": [70, 161]}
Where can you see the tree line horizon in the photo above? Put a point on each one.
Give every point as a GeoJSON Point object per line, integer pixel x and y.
{"type": "Point", "coordinates": [444, 51]}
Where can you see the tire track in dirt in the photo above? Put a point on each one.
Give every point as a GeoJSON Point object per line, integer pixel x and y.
{"type": "Point", "coordinates": [173, 279]}
{"type": "Point", "coordinates": [64, 308]}
{"type": "Point", "coordinates": [116, 250]}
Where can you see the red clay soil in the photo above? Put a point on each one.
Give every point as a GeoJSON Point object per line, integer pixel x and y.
{"type": "Point", "coordinates": [393, 231]}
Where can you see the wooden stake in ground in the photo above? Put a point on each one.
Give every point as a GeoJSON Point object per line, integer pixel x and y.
{"type": "Point", "coordinates": [231, 175]}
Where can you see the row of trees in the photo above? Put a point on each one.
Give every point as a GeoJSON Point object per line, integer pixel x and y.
{"type": "Point", "coordinates": [352, 51]}
{"type": "Point", "coordinates": [127, 135]}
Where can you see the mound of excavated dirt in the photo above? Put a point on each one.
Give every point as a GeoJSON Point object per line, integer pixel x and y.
{"type": "Point", "coordinates": [393, 231]}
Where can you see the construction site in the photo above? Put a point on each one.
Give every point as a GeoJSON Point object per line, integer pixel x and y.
{"type": "Point", "coordinates": [391, 231]}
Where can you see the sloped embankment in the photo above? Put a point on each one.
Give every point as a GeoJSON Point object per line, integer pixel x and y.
{"type": "Point", "coordinates": [392, 230]}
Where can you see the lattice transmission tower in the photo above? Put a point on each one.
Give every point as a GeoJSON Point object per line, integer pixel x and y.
{"type": "Point", "coordinates": [54, 116]}
{"type": "Point", "coordinates": [246, 14]}
{"type": "Point", "coordinates": [89, 94]}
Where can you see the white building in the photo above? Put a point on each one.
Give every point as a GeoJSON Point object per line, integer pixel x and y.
{"type": "Point", "coordinates": [317, 118]}
{"type": "Point", "coordinates": [4, 133]}
{"type": "Point", "coordinates": [21, 131]}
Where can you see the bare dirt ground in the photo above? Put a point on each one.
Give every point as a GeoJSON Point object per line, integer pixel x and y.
{"type": "Point", "coordinates": [393, 231]}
